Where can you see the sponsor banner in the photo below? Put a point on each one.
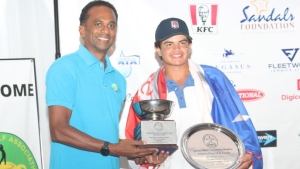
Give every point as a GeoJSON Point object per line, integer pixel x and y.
{"type": "Point", "coordinates": [267, 138]}
{"type": "Point", "coordinates": [20, 145]}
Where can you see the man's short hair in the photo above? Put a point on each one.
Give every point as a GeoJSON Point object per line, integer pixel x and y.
{"type": "Point", "coordinates": [84, 16]}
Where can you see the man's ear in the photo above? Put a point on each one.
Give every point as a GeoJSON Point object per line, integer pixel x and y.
{"type": "Point", "coordinates": [158, 51]}
{"type": "Point", "coordinates": [190, 47]}
{"type": "Point", "coordinates": [82, 31]}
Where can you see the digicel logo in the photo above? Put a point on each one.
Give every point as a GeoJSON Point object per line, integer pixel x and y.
{"type": "Point", "coordinates": [290, 97]}
{"type": "Point", "coordinates": [250, 94]}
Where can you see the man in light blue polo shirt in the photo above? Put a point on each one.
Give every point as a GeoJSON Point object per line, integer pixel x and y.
{"type": "Point", "coordinates": [85, 95]}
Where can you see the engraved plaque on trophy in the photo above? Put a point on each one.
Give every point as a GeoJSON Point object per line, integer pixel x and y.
{"type": "Point", "coordinates": [153, 128]}
{"type": "Point", "coordinates": [211, 146]}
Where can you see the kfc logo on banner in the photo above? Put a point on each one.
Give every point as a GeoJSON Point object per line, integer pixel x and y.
{"type": "Point", "coordinates": [204, 18]}
{"type": "Point", "coordinates": [298, 84]}
{"type": "Point", "coordinates": [250, 94]}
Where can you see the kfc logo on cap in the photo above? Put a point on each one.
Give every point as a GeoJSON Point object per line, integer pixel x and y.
{"type": "Point", "coordinates": [204, 18]}
{"type": "Point", "coordinates": [174, 24]}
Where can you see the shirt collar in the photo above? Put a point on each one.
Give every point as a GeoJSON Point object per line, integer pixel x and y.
{"type": "Point", "coordinates": [89, 59]}
{"type": "Point", "coordinates": [172, 85]}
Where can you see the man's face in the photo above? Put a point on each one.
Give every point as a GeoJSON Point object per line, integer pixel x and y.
{"type": "Point", "coordinates": [203, 13]}
{"type": "Point", "coordinates": [99, 31]}
{"type": "Point", "coordinates": [175, 50]}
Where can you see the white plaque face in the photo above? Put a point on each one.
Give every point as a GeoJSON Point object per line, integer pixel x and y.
{"type": "Point", "coordinates": [159, 132]}
{"type": "Point", "coordinates": [211, 146]}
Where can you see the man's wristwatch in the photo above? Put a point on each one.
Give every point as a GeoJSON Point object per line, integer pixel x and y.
{"type": "Point", "coordinates": [105, 150]}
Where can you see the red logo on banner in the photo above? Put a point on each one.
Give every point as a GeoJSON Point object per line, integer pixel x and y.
{"type": "Point", "coordinates": [250, 94]}
{"type": "Point", "coordinates": [290, 97]}
{"type": "Point", "coordinates": [203, 12]}
{"type": "Point", "coordinates": [298, 84]}
{"type": "Point", "coordinates": [204, 18]}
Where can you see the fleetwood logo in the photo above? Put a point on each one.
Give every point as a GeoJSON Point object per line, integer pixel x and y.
{"type": "Point", "coordinates": [250, 94]}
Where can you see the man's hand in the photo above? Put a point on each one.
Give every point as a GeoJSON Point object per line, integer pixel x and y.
{"type": "Point", "coordinates": [246, 161]}
{"type": "Point", "coordinates": [129, 148]}
{"type": "Point", "coordinates": [153, 159]}
{"type": "Point", "coordinates": [140, 160]}
{"type": "Point", "coordinates": [156, 158]}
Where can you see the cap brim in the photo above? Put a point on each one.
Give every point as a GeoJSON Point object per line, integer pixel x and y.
{"type": "Point", "coordinates": [173, 34]}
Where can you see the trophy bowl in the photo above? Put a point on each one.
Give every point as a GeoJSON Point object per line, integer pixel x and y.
{"type": "Point", "coordinates": [153, 128]}
{"type": "Point", "coordinates": [156, 109]}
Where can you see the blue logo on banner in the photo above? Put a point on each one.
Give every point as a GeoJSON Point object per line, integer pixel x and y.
{"type": "Point", "coordinates": [270, 17]}
{"type": "Point", "coordinates": [229, 64]}
{"type": "Point", "coordinates": [125, 63]}
{"type": "Point", "coordinates": [265, 18]}
{"type": "Point", "coordinates": [290, 53]}
{"type": "Point", "coordinates": [228, 53]}
{"type": "Point", "coordinates": [267, 138]}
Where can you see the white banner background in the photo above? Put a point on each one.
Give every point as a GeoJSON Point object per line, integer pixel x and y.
{"type": "Point", "coordinates": [28, 30]}
{"type": "Point", "coordinates": [18, 109]}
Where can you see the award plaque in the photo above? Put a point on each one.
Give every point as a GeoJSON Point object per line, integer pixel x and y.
{"type": "Point", "coordinates": [212, 146]}
{"type": "Point", "coordinates": [153, 128]}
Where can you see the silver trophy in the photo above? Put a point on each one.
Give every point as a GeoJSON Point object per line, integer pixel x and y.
{"type": "Point", "coordinates": [153, 128]}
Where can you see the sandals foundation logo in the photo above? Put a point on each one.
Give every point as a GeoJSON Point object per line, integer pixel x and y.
{"type": "Point", "coordinates": [14, 153]}
{"type": "Point", "coordinates": [259, 17]}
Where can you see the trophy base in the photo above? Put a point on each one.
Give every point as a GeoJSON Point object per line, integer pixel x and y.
{"type": "Point", "coordinates": [171, 148]}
